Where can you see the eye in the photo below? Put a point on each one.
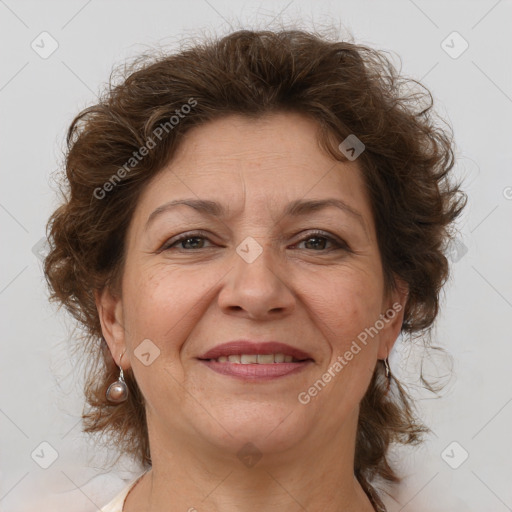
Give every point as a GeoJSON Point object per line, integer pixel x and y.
{"type": "Point", "coordinates": [321, 239]}
{"type": "Point", "coordinates": [188, 238]}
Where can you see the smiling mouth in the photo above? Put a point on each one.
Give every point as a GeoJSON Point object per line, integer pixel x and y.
{"type": "Point", "coordinates": [257, 359]}
{"type": "Point", "coordinates": [257, 367]}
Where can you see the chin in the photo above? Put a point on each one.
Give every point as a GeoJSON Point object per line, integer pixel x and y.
{"type": "Point", "coordinates": [271, 428]}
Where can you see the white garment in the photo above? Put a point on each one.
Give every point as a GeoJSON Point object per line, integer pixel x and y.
{"type": "Point", "coordinates": [117, 503]}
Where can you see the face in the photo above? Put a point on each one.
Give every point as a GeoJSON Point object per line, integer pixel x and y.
{"type": "Point", "coordinates": [310, 278]}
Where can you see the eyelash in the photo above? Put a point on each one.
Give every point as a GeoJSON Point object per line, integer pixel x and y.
{"type": "Point", "coordinates": [339, 244]}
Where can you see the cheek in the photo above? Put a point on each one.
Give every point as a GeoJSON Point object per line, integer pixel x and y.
{"type": "Point", "coordinates": [350, 307]}
{"type": "Point", "coordinates": [165, 304]}
{"type": "Point", "coordinates": [351, 303]}
{"type": "Point", "coordinates": [161, 304]}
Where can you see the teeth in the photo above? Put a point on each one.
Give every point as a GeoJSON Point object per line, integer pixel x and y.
{"type": "Point", "coordinates": [256, 359]}
{"type": "Point", "coordinates": [265, 358]}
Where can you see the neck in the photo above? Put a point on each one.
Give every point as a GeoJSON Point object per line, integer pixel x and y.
{"type": "Point", "coordinates": [189, 476]}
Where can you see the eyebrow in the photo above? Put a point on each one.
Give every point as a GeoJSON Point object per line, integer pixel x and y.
{"type": "Point", "coordinates": [297, 208]}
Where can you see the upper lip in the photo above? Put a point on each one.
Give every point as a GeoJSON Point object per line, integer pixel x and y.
{"type": "Point", "coordinates": [252, 347]}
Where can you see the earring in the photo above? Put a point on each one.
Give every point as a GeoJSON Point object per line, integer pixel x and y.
{"type": "Point", "coordinates": [386, 366]}
{"type": "Point", "coordinates": [117, 392]}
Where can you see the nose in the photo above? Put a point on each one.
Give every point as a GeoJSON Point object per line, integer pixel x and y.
{"type": "Point", "coordinates": [257, 289]}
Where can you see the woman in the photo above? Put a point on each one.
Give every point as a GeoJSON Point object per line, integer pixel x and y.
{"type": "Point", "coordinates": [249, 225]}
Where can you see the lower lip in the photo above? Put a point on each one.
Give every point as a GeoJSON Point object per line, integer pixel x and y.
{"type": "Point", "coordinates": [256, 371]}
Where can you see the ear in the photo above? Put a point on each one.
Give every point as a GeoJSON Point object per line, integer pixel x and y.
{"type": "Point", "coordinates": [110, 312]}
{"type": "Point", "coordinates": [394, 308]}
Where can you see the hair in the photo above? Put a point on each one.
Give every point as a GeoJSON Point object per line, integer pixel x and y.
{"type": "Point", "coordinates": [115, 148]}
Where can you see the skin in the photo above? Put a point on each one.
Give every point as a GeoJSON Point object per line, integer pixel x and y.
{"type": "Point", "coordinates": [301, 290]}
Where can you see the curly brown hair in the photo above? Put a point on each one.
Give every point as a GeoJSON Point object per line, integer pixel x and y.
{"type": "Point", "coordinates": [346, 88]}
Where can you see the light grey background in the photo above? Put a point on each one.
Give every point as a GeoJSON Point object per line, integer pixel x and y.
{"type": "Point", "coordinates": [41, 398]}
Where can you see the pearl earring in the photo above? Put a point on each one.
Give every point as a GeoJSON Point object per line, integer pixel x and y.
{"type": "Point", "coordinates": [117, 392]}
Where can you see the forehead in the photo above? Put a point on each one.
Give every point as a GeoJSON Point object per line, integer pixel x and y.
{"type": "Point", "coordinates": [247, 163]}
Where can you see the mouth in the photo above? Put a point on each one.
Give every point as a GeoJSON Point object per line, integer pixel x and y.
{"type": "Point", "coordinates": [256, 361]}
